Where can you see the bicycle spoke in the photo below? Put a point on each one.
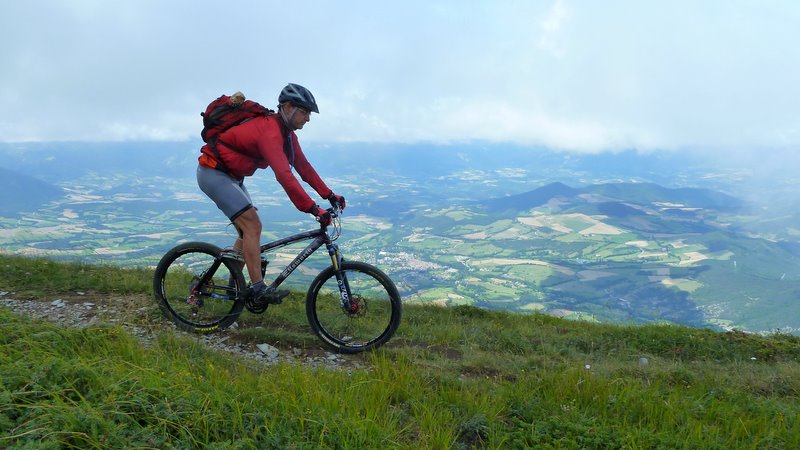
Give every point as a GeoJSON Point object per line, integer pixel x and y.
{"type": "Point", "coordinates": [369, 319]}
{"type": "Point", "coordinates": [196, 299]}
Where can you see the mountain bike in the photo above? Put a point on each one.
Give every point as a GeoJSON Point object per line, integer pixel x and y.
{"type": "Point", "coordinates": [352, 306]}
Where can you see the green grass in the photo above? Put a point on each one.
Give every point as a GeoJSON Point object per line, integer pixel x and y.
{"type": "Point", "coordinates": [456, 377]}
{"type": "Point", "coordinates": [34, 277]}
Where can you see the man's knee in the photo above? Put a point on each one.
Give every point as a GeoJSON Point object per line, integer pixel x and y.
{"type": "Point", "coordinates": [248, 223]}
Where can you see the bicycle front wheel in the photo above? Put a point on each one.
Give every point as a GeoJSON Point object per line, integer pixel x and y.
{"type": "Point", "coordinates": [195, 290]}
{"type": "Point", "coordinates": [374, 308]}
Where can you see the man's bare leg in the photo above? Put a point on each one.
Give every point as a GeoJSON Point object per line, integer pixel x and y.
{"type": "Point", "coordinates": [249, 225]}
{"type": "Point", "coordinates": [237, 245]}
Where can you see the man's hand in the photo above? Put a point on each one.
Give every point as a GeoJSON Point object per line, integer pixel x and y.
{"type": "Point", "coordinates": [323, 217]}
{"type": "Point", "coordinates": [337, 201]}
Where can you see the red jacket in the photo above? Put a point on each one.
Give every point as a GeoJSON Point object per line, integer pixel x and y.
{"type": "Point", "coordinates": [260, 143]}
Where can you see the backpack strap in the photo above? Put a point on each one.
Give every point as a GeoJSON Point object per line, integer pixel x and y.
{"type": "Point", "coordinates": [212, 144]}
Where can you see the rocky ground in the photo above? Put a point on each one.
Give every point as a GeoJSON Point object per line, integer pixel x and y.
{"type": "Point", "coordinates": [80, 309]}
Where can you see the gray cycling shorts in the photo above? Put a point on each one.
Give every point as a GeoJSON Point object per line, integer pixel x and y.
{"type": "Point", "coordinates": [228, 193]}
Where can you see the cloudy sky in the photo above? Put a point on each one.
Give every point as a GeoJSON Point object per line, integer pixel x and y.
{"type": "Point", "coordinates": [584, 76]}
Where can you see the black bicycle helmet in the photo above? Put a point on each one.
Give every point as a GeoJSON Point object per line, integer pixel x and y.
{"type": "Point", "coordinates": [298, 96]}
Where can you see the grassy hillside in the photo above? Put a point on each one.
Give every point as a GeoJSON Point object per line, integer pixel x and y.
{"type": "Point", "coordinates": [458, 377]}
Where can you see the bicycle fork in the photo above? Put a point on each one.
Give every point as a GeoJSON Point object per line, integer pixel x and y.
{"type": "Point", "coordinates": [348, 303]}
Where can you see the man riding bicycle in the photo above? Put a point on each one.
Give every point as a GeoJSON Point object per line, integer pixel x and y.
{"type": "Point", "coordinates": [261, 142]}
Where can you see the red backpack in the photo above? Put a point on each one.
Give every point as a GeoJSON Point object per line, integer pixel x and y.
{"type": "Point", "coordinates": [224, 113]}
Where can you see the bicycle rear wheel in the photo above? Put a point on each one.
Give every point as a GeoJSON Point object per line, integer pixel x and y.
{"type": "Point", "coordinates": [375, 310]}
{"type": "Point", "coordinates": [197, 292]}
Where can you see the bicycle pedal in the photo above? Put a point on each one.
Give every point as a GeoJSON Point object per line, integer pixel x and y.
{"type": "Point", "coordinates": [276, 297]}
{"type": "Point", "coordinates": [266, 298]}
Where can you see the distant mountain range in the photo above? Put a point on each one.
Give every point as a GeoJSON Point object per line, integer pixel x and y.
{"type": "Point", "coordinates": [24, 193]}
{"type": "Point", "coordinates": [609, 193]}
{"type": "Point", "coordinates": [68, 160]}
{"type": "Point", "coordinates": [639, 206]}
{"type": "Point", "coordinates": [626, 184]}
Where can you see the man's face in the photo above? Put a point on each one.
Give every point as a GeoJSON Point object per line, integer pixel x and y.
{"type": "Point", "coordinates": [299, 117]}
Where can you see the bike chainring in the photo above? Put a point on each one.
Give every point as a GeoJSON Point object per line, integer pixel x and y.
{"type": "Point", "coordinates": [254, 306]}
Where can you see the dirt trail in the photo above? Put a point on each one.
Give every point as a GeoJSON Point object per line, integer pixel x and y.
{"type": "Point", "coordinates": [134, 313]}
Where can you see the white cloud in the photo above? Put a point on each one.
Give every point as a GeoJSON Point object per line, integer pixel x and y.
{"type": "Point", "coordinates": [551, 26]}
{"type": "Point", "coordinates": [577, 76]}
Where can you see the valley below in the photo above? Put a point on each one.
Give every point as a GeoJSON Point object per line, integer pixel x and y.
{"type": "Point", "coordinates": [570, 238]}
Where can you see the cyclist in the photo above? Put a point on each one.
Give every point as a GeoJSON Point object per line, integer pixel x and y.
{"type": "Point", "coordinates": [266, 141]}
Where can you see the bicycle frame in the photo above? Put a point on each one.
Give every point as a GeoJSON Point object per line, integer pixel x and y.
{"type": "Point", "coordinates": [318, 238]}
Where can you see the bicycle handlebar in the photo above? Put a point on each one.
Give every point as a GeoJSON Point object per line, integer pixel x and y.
{"type": "Point", "coordinates": [335, 213]}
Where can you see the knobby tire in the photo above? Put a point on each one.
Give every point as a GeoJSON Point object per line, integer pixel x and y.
{"type": "Point", "coordinates": [373, 320]}
{"type": "Point", "coordinates": [216, 305]}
